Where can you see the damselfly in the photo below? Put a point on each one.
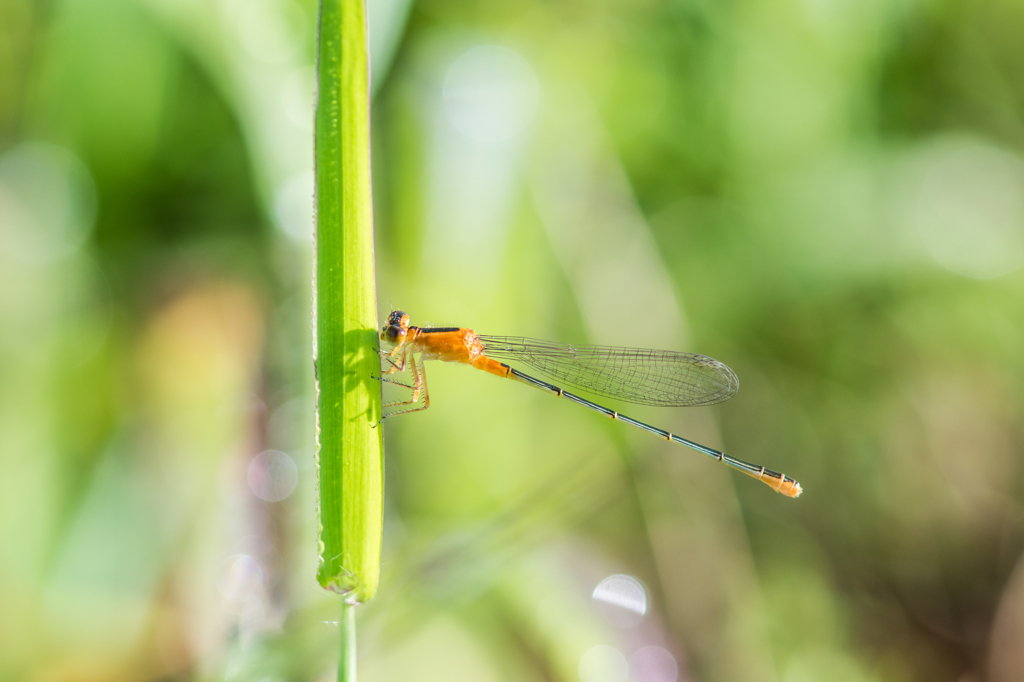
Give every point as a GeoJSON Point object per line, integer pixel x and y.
{"type": "Point", "coordinates": [634, 375]}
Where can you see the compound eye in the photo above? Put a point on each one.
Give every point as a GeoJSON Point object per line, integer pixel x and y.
{"type": "Point", "coordinates": [394, 333]}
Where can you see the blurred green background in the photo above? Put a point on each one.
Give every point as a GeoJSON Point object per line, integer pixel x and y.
{"type": "Point", "coordinates": [827, 195]}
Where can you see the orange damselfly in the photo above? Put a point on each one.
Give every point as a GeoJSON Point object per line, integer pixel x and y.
{"type": "Point", "coordinates": [635, 375]}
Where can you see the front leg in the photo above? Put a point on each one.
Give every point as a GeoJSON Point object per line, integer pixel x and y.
{"type": "Point", "coordinates": [395, 366]}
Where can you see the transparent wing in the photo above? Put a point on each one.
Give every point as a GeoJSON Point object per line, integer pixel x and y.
{"type": "Point", "coordinates": [636, 375]}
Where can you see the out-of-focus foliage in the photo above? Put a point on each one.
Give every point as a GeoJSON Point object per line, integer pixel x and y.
{"type": "Point", "coordinates": [827, 196]}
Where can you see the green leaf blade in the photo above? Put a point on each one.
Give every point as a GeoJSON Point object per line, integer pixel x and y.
{"type": "Point", "coordinates": [349, 449]}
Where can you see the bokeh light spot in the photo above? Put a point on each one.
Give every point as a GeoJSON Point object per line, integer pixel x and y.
{"type": "Point", "coordinates": [653, 664]}
{"type": "Point", "coordinates": [240, 577]}
{"type": "Point", "coordinates": [603, 663]}
{"type": "Point", "coordinates": [970, 211]}
{"type": "Point", "coordinates": [621, 599]}
{"type": "Point", "coordinates": [491, 93]}
{"type": "Point", "coordinates": [293, 207]}
{"type": "Point", "coordinates": [273, 475]}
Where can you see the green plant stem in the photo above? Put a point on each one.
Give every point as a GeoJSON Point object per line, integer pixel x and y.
{"type": "Point", "coordinates": [350, 472]}
{"type": "Point", "coordinates": [347, 626]}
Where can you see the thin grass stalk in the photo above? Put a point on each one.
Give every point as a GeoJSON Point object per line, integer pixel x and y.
{"type": "Point", "coordinates": [347, 628]}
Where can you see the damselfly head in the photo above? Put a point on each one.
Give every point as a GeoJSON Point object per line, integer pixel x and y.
{"type": "Point", "coordinates": [396, 328]}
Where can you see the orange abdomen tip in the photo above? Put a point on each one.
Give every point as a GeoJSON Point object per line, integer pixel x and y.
{"type": "Point", "coordinates": [781, 484]}
{"type": "Point", "coordinates": [790, 488]}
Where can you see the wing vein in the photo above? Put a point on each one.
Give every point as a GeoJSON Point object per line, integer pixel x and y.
{"type": "Point", "coordinates": [642, 376]}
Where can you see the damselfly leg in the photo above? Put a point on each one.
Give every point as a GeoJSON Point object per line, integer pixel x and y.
{"type": "Point", "coordinates": [419, 374]}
